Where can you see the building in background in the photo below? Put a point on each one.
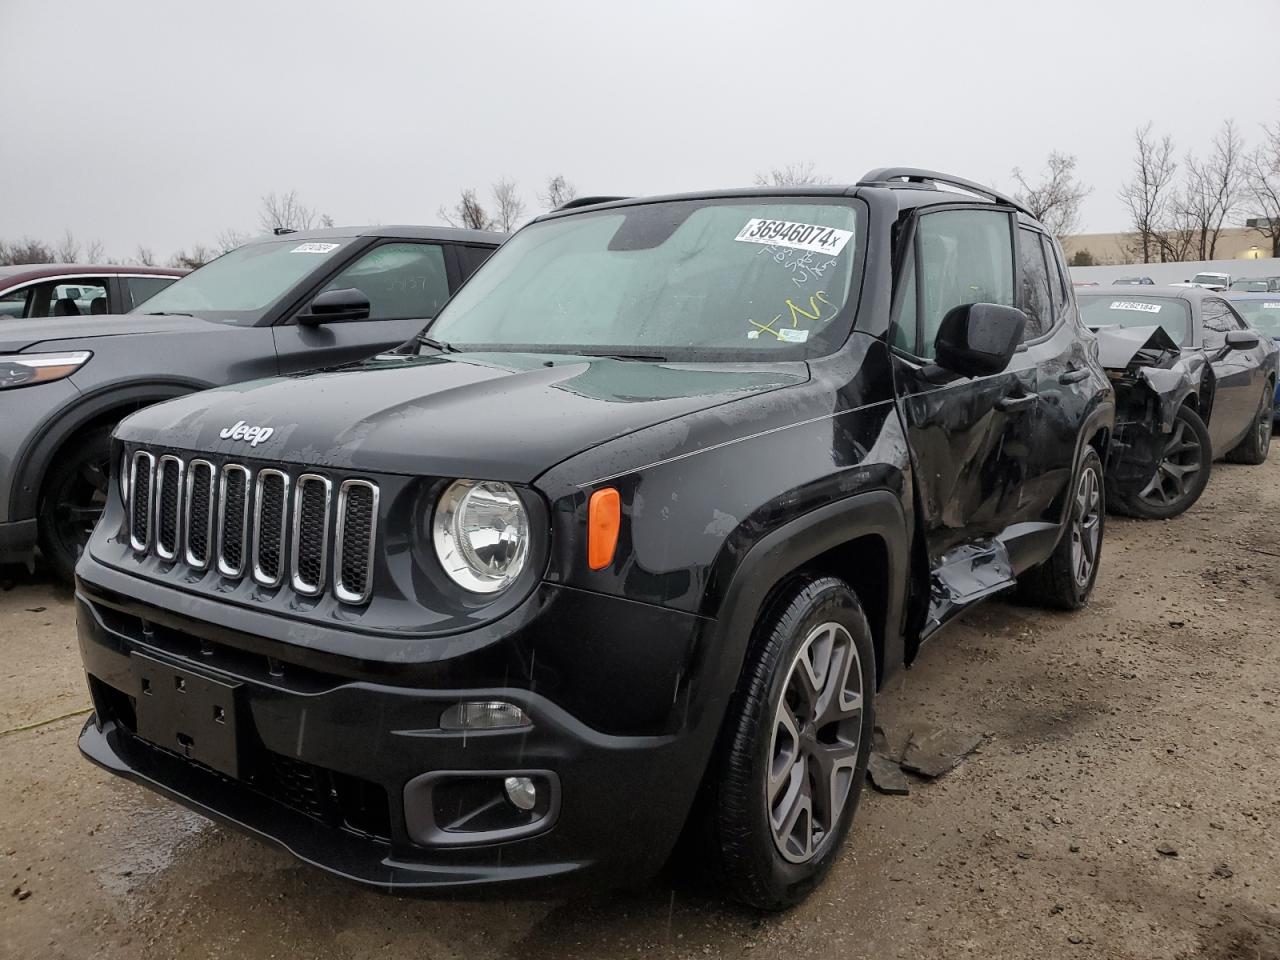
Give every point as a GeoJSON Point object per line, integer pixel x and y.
{"type": "Point", "coordinates": [1109, 249]}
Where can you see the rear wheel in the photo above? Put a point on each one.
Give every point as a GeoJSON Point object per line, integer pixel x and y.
{"type": "Point", "coordinates": [1257, 444]}
{"type": "Point", "coordinates": [1180, 474]}
{"type": "Point", "coordinates": [790, 770]}
{"type": "Point", "coordinates": [1066, 579]}
{"type": "Point", "coordinates": [73, 498]}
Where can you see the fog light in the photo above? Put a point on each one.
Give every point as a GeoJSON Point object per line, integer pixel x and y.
{"type": "Point", "coordinates": [483, 715]}
{"type": "Point", "coordinates": [521, 792]}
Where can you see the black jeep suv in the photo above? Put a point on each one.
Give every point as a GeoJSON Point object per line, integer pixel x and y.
{"type": "Point", "coordinates": [626, 542]}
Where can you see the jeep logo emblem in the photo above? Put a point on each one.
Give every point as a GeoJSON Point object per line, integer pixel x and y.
{"type": "Point", "coordinates": [251, 435]}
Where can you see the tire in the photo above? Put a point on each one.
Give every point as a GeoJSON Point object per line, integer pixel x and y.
{"type": "Point", "coordinates": [1255, 446]}
{"type": "Point", "coordinates": [818, 620]}
{"type": "Point", "coordinates": [1065, 580]}
{"type": "Point", "coordinates": [74, 493]}
{"type": "Point", "coordinates": [1155, 502]}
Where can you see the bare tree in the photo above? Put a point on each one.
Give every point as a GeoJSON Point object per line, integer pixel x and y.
{"type": "Point", "coordinates": [1056, 198]}
{"type": "Point", "coordinates": [468, 212]}
{"type": "Point", "coordinates": [508, 207]}
{"type": "Point", "coordinates": [231, 238]}
{"type": "Point", "coordinates": [26, 250]}
{"type": "Point", "coordinates": [144, 256]}
{"type": "Point", "coordinates": [1176, 236]}
{"type": "Point", "coordinates": [1262, 186]}
{"type": "Point", "coordinates": [1147, 195]}
{"type": "Point", "coordinates": [94, 252]}
{"type": "Point", "coordinates": [792, 175]}
{"type": "Point", "coordinates": [198, 257]}
{"type": "Point", "coordinates": [1212, 189]}
{"type": "Point", "coordinates": [68, 250]}
{"type": "Point", "coordinates": [285, 212]}
{"type": "Point", "coordinates": [559, 192]}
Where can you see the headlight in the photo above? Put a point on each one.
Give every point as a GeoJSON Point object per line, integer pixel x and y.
{"type": "Point", "coordinates": [24, 369]}
{"type": "Point", "coordinates": [481, 533]}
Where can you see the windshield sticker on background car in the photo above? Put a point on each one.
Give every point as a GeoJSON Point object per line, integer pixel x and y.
{"type": "Point", "coordinates": [1131, 305]}
{"type": "Point", "coordinates": [803, 265]}
{"type": "Point", "coordinates": [798, 236]}
{"type": "Point", "coordinates": [314, 247]}
{"type": "Point", "coordinates": [1271, 306]}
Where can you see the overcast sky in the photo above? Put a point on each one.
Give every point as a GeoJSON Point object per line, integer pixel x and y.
{"type": "Point", "coordinates": [163, 123]}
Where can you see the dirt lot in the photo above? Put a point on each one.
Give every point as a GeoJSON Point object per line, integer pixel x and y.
{"type": "Point", "coordinates": [1150, 720]}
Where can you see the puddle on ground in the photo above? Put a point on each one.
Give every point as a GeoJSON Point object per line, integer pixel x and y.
{"type": "Point", "coordinates": [155, 836]}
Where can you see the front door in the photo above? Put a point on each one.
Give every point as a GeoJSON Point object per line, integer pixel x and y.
{"type": "Point", "coordinates": [406, 282]}
{"type": "Point", "coordinates": [1237, 373]}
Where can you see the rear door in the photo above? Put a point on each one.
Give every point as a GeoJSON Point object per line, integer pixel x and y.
{"type": "Point", "coordinates": [1238, 372]}
{"type": "Point", "coordinates": [970, 438]}
{"type": "Point", "coordinates": [406, 281]}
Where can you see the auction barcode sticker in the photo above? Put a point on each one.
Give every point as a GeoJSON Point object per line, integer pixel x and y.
{"type": "Point", "coordinates": [798, 236]}
{"type": "Point", "coordinates": [1132, 305]}
{"type": "Point", "coordinates": [1271, 306]}
{"type": "Point", "coordinates": [314, 247]}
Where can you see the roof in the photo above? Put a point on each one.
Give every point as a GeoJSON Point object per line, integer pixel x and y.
{"type": "Point", "coordinates": [395, 231]}
{"type": "Point", "coordinates": [1149, 290]}
{"type": "Point", "coordinates": [26, 272]}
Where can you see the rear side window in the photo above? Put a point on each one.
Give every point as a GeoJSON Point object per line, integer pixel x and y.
{"type": "Point", "coordinates": [142, 289]}
{"type": "Point", "coordinates": [963, 256]}
{"type": "Point", "coordinates": [1057, 278]}
{"type": "Point", "coordinates": [471, 257]}
{"type": "Point", "coordinates": [1035, 297]}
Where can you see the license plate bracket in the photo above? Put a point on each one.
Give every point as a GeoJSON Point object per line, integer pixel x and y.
{"type": "Point", "coordinates": [188, 713]}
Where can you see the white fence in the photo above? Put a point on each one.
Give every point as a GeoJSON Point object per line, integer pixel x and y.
{"type": "Point", "coordinates": [1177, 272]}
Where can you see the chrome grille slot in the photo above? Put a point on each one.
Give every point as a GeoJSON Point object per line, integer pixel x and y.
{"type": "Point", "coordinates": [310, 547]}
{"type": "Point", "coordinates": [270, 520]}
{"type": "Point", "coordinates": [233, 519]}
{"type": "Point", "coordinates": [168, 498]}
{"type": "Point", "coordinates": [141, 482]}
{"type": "Point", "coordinates": [198, 515]}
{"type": "Point", "coordinates": [357, 531]}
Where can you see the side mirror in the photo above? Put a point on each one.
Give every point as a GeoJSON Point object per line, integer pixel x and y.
{"type": "Point", "coordinates": [336, 306]}
{"type": "Point", "coordinates": [1241, 339]}
{"type": "Point", "coordinates": [978, 339]}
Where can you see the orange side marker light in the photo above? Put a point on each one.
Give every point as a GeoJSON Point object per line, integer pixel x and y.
{"type": "Point", "coordinates": [604, 517]}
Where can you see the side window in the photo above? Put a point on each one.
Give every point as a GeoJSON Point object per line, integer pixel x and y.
{"type": "Point", "coordinates": [142, 289]}
{"type": "Point", "coordinates": [1218, 321]}
{"type": "Point", "coordinates": [1057, 278]}
{"type": "Point", "coordinates": [14, 303]}
{"type": "Point", "coordinates": [471, 257]}
{"type": "Point", "coordinates": [965, 256]}
{"type": "Point", "coordinates": [904, 328]}
{"type": "Point", "coordinates": [403, 281]}
{"type": "Point", "coordinates": [78, 299]}
{"type": "Point", "coordinates": [1034, 299]}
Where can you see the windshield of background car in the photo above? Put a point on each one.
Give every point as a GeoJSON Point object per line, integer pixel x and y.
{"type": "Point", "coordinates": [1250, 286]}
{"type": "Point", "coordinates": [240, 286]}
{"type": "Point", "coordinates": [1214, 278]}
{"type": "Point", "coordinates": [1137, 311]}
{"type": "Point", "coordinates": [737, 279]}
{"type": "Point", "coordinates": [1263, 315]}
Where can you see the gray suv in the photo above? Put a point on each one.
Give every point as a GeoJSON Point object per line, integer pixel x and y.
{"type": "Point", "coordinates": [280, 305]}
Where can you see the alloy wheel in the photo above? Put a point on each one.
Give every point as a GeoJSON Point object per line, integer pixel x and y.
{"type": "Point", "coordinates": [80, 503]}
{"type": "Point", "coordinates": [813, 750]}
{"type": "Point", "coordinates": [1265, 417]}
{"type": "Point", "coordinates": [1179, 462]}
{"type": "Point", "coordinates": [1086, 526]}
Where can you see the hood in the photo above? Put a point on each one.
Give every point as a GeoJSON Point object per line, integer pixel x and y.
{"type": "Point", "coordinates": [1118, 347]}
{"type": "Point", "coordinates": [494, 416]}
{"type": "Point", "coordinates": [19, 335]}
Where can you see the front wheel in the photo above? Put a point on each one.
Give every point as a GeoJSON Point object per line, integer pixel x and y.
{"type": "Point", "coordinates": [791, 766]}
{"type": "Point", "coordinates": [1180, 474]}
{"type": "Point", "coordinates": [1066, 579]}
{"type": "Point", "coordinates": [73, 498]}
{"type": "Point", "coordinates": [1257, 443]}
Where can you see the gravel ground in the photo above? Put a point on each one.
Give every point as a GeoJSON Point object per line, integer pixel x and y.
{"type": "Point", "coordinates": [1147, 722]}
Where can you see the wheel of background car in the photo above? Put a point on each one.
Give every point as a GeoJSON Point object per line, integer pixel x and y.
{"type": "Point", "coordinates": [73, 498]}
{"type": "Point", "coordinates": [1180, 475]}
{"type": "Point", "coordinates": [1257, 443]}
{"type": "Point", "coordinates": [1066, 579]}
{"type": "Point", "coordinates": [789, 772]}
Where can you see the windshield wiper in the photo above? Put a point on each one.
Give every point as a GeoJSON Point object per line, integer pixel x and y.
{"type": "Point", "coordinates": [644, 357]}
{"type": "Point", "coordinates": [438, 344]}
{"type": "Point", "coordinates": [167, 313]}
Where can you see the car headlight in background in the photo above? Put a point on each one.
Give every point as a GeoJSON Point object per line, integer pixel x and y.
{"type": "Point", "coordinates": [481, 534]}
{"type": "Point", "coordinates": [24, 369]}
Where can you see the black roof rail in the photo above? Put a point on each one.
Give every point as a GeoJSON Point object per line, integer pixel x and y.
{"type": "Point", "coordinates": [587, 202]}
{"type": "Point", "coordinates": [917, 175]}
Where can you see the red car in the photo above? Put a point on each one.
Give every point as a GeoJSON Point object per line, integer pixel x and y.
{"type": "Point", "coordinates": [71, 290]}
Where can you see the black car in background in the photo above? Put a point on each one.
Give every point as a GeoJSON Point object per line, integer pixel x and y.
{"type": "Point", "coordinates": [1194, 383]}
{"type": "Point", "coordinates": [627, 542]}
{"type": "Point", "coordinates": [274, 306]}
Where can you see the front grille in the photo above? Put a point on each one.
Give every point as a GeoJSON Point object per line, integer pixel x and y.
{"type": "Point", "coordinates": [265, 523]}
{"type": "Point", "coordinates": [357, 518]}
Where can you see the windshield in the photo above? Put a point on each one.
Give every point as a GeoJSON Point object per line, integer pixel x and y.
{"type": "Point", "coordinates": [1250, 286]}
{"type": "Point", "coordinates": [241, 285]}
{"type": "Point", "coordinates": [1137, 311]}
{"type": "Point", "coordinates": [1263, 315]}
{"type": "Point", "coordinates": [756, 278]}
{"type": "Point", "coordinates": [1217, 279]}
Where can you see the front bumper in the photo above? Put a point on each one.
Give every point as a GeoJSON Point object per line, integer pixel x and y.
{"type": "Point", "coordinates": [333, 768]}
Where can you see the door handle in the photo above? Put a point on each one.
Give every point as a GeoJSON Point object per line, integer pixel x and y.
{"type": "Point", "coordinates": [1074, 375]}
{"type": "Point", "coordinates": [1017, 404]}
